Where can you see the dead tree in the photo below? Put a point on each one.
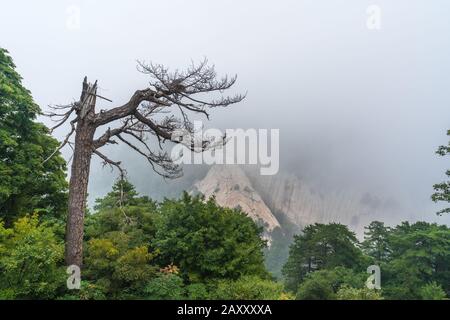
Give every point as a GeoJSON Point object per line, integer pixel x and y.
{"type": "Point", "coordinates": [158, 111]}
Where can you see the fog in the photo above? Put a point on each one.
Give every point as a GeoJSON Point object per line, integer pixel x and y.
{"type": "Point", "coordinates": [356, 107]}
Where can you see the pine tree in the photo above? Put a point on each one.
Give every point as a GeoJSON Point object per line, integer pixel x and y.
{"type": "Point", "coordinates": [376, 242]}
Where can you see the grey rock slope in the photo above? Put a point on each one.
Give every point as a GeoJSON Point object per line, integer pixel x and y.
{"type": "Point", "coordinates": [299, 202]}
{"type": "Point", "coordinates": [232, 188]}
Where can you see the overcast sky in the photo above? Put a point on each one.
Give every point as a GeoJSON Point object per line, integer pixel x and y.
{"type": "Point", "coordinates": [356, 107]}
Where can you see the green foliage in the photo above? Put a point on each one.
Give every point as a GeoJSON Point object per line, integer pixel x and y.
{"type": "Point", "coordinates": [120, 270]}
{"type": "Point", "coordinates": [135, 217]}
{"type": "Point", "coordinates": [30, 260]}
{"type": "Point", "coordinates": [324, 284]}
{"type": "Point", "coordinates": [316, 287]}
{"type": "Point", "coordinates": [88, 291]}
{"type": "Point", "coordinates": [165, 287]}
{"type": "Point", "coordinates": [349, 293]}
{"type": "Point", "coordinates": [26, 182]}
{"type": "Point", "coordinates": [376, 242]}
{"type": "Point", "coordinates": [432, 291]}
{"type": "Point", "coordinates": [194, 244]}
{"type": "Point", "coordinates": [197, 291]}
{"type": "Point", "coordinates": [321, 246]}
{"type": "Point", "coordinates": [118, 259]}
{"type": "Point", "coordinates": [136, 222]}
{"type": "Point", "coordinates": [123, 194]}
{"type": "Point", "coordinates": [133, 265]}
{"type": "Point", "coordinates": [420, 255]}
{"type": "Point", "coordinates": [443, 189]}
{"type": "Point", "coordinates": [248, 288]}
{"type": "Point", "coordinates": [207, 241]}
{"type": "Point", "coordinates": [414, 261]}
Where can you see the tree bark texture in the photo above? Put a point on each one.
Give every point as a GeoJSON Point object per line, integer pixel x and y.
{"type": "Point", "coordinates": [80, 176]}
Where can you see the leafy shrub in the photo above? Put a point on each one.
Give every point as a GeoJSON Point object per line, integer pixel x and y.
{"type": "Point", "coordinates": [248, 288]}
{"type": "Point", "coordinates": [349, 293]}
{"type": "Point", "coordinates": [324, 284]}
{"type": "Point", "coordinates": [432, 291]}
{"type": "Point", "coordinates": [30, 260]}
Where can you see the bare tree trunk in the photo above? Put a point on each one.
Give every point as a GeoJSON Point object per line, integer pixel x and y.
{"type": "Point", "coordinates": [79, 177]}
{"type": "Point", "coordinates": [77, 196]}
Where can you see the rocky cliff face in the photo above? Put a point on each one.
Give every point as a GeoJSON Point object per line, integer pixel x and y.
{"type": "Point", "coordinates": [304, 204]}
{"type": "Point", "coordinates": [299, 202]}
{"type": "Point", "coordinates": [232, 188]}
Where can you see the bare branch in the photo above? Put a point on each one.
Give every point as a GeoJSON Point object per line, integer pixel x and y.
{"type": "Point", "coordinates": [162, 159]}
{"type": "Point", "coordinates": [65, 141]}
{"type": "Point", "coordinates": [152, 125]}
{"type": "Point", "coordinates": [106, 137]}
{"type": "Point", "coordinates": [128, 108]}
{"type": "Point", "coordinates": [65, 116]}
{"type": "Point", "coordinates": [107, 161]}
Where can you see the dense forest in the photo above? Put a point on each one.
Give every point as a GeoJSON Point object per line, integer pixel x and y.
{"type": "Point", "coordinates": [186, 248]}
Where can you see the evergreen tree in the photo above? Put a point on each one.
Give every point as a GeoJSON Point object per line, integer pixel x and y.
{"type": "Point", "coordinates": [376, 242]}
{"type": "Point", "coordinates": [207, 241]}
{"type": "Point", "coordinates": [123, 194]}
{"type": "Point", "coordinates": [420, 255]}
{"type": "Point", "coordinates": [321, 246]}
